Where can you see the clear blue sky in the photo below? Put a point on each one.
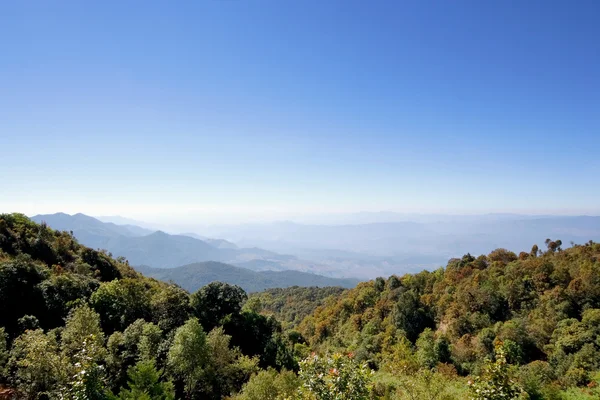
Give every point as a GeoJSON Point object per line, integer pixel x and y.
{"type": "Point", "coordinates": [260, 108]}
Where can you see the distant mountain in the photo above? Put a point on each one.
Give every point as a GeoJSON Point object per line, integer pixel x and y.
{"type": "Point", "coordinates": [218, 243]}
{"type": "Point", "coordinates": [117, 219]}
{"type": "Point", "coordinates": [89, 230]}
{"type": "Point", "coordinates": [439, 236]}
{"type": "Point", "coordinates": [193, 276]}
{"type": "Point", "coordinates": [159, 249]}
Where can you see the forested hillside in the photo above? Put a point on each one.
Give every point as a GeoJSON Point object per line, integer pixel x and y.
{"type": "Point", "coordinates": [291, 305]}
{"type": "Point", "coordinates": [78, 324]}
{"type": "Point", "coordinates": [539, 309]}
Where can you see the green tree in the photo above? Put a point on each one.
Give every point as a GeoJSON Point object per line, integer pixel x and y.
{"type": "Point", "coordinates": [270, 385]}
{"type": "Point", "coordinates": [19, 291]}
{"type": "Point", "coordinates": [150, 341]}
{"type": "Point", "coordinates": [121, 302]}
{"type": "Point", "coordinates": [60, 291]}
{"type": "Point", "coordinates": [144, 384]}
{"type": "Point", "coordinates": [337, 377]}
{"type": "Point", "coordinates": [38, 368]}
{"type": "Point", "coordinates": [88, 379]}
{"type": "Point", "coordinates": [426, 353]}
{"type": "Point", "coordinates": [496, 381]}
{"type": "Point", "coordinates": [411, 315]}
{"type": "Point", "coordinates": [170, 307]}
{"type": "Point", "coordinates": [140, 341]}
{"type": "Point", "coordinates": [82, 322]}
{"type": "Point", "coordinates": [188, 355]}
{"type": "Point", "coordinates": [215, 301]}
{"type": "Point", "coordinates": [4, 354]}
{"type": "Point", "coordinates": [226, 368]}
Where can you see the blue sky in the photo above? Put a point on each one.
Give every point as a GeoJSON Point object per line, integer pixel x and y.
{"type": "Point", "coordinates": [239, 109]}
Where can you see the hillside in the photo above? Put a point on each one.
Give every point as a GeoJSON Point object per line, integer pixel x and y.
{"type": "Point", "coordinates": [77, 323]}
{"type": "Point", "coordinates": [193, 276]}
{"type": "Point", "coordinates": [542, 308]}
{"type": "Point", "coordinates": [159, 249]}
{"type": "Point", "coordinates": [291, 305]}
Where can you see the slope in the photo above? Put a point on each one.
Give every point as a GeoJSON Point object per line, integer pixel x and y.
{"type": "Point", "coordinates": [193, 276]}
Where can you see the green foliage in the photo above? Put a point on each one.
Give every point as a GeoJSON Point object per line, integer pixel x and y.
{"type": "Point", "coordinates": [216, 301]}
{"type": "Point", "coordinates": [170, 307]}
{"type": "Point", "coordinates": [3, 354]}
{"type": "Point", "coordinates": [88, 378]}
{"type": "Point", "coordinates": [188, 355]}
{"type": "Point", "coordinates": [226, 368]}
{"type": "Point", "coordinates": [426, 351]}
{"type": "Point", "coordinates": [496, 381]}
{"type": "Point", "coordinates": [121, 302]}
{"type": "Point", "coordinates": [144, 384]}
{"type": "Point", "coordinates": [270, 385]}
{"type": "Point", "coordinates": [420, 385]}
{"type": "Point", "coordinates": [291, 305]}
{"type": "Point", "coordinates": [535, 318]}
{"type": "Point", "coordinates": [411, 314]}
{"type": "Point", "coordinates": [336, 377]}
{"type": "Point", "coordinates": [83, 322]}
{"type": "Point", "coordinates": [37, 368]}
{"type": "Point", "coordinates": [20, 294]}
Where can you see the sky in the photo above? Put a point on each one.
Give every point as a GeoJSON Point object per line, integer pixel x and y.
{"type": "Point", "coordinates": [235, 110]}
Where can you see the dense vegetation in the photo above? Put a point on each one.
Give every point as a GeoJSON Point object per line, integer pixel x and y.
{"type": "Point", "coordinates": [540, 310]}
{"type": "Point", "coordinates": [291, 305]}
{"type": "Point", "coordinates": [78, 324]}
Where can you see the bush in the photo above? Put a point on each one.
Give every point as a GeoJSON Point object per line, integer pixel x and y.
{"type": "Point", "coordinates": [336, 377]}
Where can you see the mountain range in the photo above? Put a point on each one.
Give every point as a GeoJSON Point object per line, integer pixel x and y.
{"type": "Point", "coordinates": [154, 248]}
{"type": "Point", "coordinates": [383, 248]}
{"type": "Point", "coordinates": [385, 244]}
{"type": "Point", "coordinates": [189, 259]}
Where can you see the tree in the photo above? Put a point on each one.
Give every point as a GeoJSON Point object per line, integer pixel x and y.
{"type": "Point", "coordinates": [534, 251]}
{"type": "Point", "coordinates": [426, 353]}
{"type": "Point", "coordinates": [83, 322]}
{"type": "Point", "coordinates": [150, 341]}
{"type": "Point", "coordinates": [87, 381]}
{"type": "Point", "coordinates": [28, 322]}
{"type": "Point", "coordinates": [496, 381]}
{"type": "Point", "coordinates": [19, 291]}
{"type": "Point", "coordinates": [60, 292]}
{"type": "Point", "coordinates": [337, 377]}
{"type": "Point", "coordinates": [144, 383]}
{"type": "Point", "coordinates": [257, 335]}
{"type": "Point", "coordinates": [121, 302]}
{"type": "Point", "coordinates": [170, 307]}
{"type": "Point", "coordinates": [188, 355]}
{"type": "Point", "coordinates": [270, 385]}
{"type": "Point", "coordinates": [379, 284]}
{"type": "Point", "coordinates": [104, 267]}
{"type": "Point", "coordinates": [215, 301]}
{"type": "Point", "coordinates": [3, 354]}
{"type": "Point", "coordinates": [227, 369]}
{"type": "Point", "coordinates": [411, 315]}
{"type": "Point", "coordinates": [38, 367]}
{"type": "Point", "coordinates": [140, 341]}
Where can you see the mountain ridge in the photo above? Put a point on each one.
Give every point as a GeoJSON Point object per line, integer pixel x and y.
{"type": "Point", "coordinates": [193, 276]}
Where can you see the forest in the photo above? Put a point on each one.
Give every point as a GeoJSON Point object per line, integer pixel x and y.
{"type": "Point", "coordinates": [76, 323]}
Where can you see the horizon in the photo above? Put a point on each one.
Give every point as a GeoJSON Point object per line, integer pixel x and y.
{"type": "Point", "coordinates": [336, 219]}
{"type": "Point", "coordinates": [231, 112]}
